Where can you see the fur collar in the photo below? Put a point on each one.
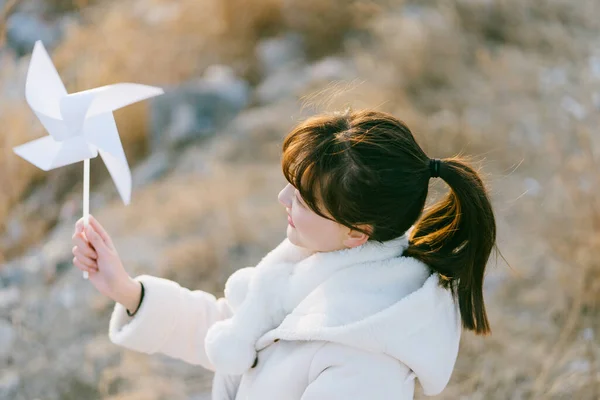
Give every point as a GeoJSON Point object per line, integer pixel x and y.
{"type": "Point", "coordinates": [369, 296]}
{"type": "Point", "coordinates": [282, 279]}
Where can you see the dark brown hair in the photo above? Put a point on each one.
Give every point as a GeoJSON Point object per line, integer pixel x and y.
{"type": "Point", "coordinates": [365, 168]}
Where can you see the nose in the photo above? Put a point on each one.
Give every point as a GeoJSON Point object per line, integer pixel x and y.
{"type": "Point", "coordinates": [285, 197]}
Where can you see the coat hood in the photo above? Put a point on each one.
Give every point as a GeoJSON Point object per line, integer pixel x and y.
{"type": "Point", "coordinates": [369, 297]}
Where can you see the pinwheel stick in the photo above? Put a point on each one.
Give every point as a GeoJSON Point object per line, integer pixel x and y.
{"type": "Point", "coordinates": [86, 199]}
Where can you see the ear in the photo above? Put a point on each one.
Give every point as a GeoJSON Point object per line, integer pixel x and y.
{"type": "Point", "coordinates": [356, 238]}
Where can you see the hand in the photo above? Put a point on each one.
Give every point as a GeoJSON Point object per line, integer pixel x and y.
{"type": "Point", "coordinates": [95, 252]}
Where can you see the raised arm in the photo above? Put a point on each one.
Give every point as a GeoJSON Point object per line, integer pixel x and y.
{"type": "Point", "coordinates": [171, 320]}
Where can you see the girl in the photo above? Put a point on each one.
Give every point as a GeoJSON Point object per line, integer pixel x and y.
{"type": "Point", "coordinates": [363, 296]}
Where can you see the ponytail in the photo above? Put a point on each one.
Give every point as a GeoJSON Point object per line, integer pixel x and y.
{"type": "Point", "coordinates": [455, 238]}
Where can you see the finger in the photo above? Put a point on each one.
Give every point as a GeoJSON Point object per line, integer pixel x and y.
{"type": "Point", "coordinates": [83, 243]}
{"type": "Point", "coordinates": [78, 229]}
{"type": "Point", "coordinates": [79, 225]}
{"type": "Point", "coordinates": [88, 262]}
{"type": "Point", "coordinates": [85, 252]}
{"type": "Point", "coordinates": [95, 239]}
{"type": "Point", "coordinates": [85, 260]}
{"type": "Point", "coordinates": [82, 266]}
{"type": "Point", "coordinates": [101, 231]}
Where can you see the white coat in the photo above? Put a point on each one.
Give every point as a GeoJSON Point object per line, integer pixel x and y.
{"type": "Point", "coordinates": [358, 323]}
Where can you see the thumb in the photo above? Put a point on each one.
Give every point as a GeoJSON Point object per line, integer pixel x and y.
{"type": "Point", "coordinates": [95, 239]}
{"type": "Point", "coordinates": [79, 226]}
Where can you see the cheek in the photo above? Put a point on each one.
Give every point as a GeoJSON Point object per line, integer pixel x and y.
{"type": "Point", "coordinates": [315, 228]}
{"type": "Point", "coordinates": [302, 218]}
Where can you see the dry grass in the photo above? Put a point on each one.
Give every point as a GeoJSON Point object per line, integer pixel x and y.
{"type": "Point", "coordinates": [577, 245]}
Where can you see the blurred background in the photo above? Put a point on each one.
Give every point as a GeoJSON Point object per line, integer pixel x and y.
{"type": "Point", "coordinates": [514, 84]}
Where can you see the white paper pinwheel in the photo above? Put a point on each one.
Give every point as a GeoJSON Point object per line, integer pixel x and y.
{"type": "Point", "coordinates": [80, 125]}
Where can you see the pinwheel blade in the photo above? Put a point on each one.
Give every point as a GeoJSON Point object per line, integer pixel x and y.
{"type": "Point", "coordinates": [112, 97]}
{"type": "Point", "coordinates": [43, 88]}
{"type": "Point", "coordinates": [43, 91]}
{"type": "Point", "coordinates": [46, 153]}
{"type": "Point", "coordinates": [74, 108]}
{"type": "Point", "coordinates": [101, 131]}
{"type": "Point", "coordinates": [55, 127]}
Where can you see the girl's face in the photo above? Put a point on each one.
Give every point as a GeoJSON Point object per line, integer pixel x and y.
{"type": "Point", "coordinates": [309, 230]}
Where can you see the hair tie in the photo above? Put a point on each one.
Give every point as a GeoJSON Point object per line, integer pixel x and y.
{"type": "Point", "coordinates": [434, 167]}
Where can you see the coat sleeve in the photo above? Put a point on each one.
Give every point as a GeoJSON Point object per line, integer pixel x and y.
{"type": "Point", "coordinates": [170, 320]}
{"type": "Point", "coordinates": [339, 372]}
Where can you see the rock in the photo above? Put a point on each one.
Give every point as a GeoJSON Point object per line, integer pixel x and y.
{"type": "Point", "coordinates": [256, 132]}
{"type": "Point", "coordinates": [9, 384]}
{"type": "Point", "coordinates": [151, 169]}
{"type": "Point", "coordinates": [14, 231]}
{"type": "Point", "coordinates": [24, 29]}
{"type": "Point", "coordinates": [7, 339]}
{"type": "Point", "coordinates": [296, 79]}
{"type": "Point", "coordinates": [100, 354]}
{"type": "Point", "coordinates": [223, 79]}
{"type": "Point", "coordinates": [72, 208]}
{"type": "Point", "coordinates": [192, 161]}
{"type": "Point", "coordinates": [290, 81]}
{"type": "Point", "coordinates": [274, 54]}
{"type": "Point", "coordinates": [56, 257]}
{"type": "Point", "coordinates": [37, 212]}
{"type": "Point", "coordinates": [261, 120]}
{"type": "Point", "coordinates": [573, 107]}
{"type": "Point", "coordinates": [197, 109]}
{"type": "Point", "coordinates": [67, 297]}
{"type": "Point", "coordinates": [588, 334]}
{"type": "Point", "coordinates": [12, 274]}
{"type": "Point", "coordinates": [331, 68]}
{"type": "Point", "coordinates": [39, 264]}
{"type": "Point", "coordinates": [579, 365]}
{"type": "Point", "coordinates": [9, 297]}
{"type": "Point", "coordinates": [552, 78]}
{"type": "Point", "coordinates": [594, 63]}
